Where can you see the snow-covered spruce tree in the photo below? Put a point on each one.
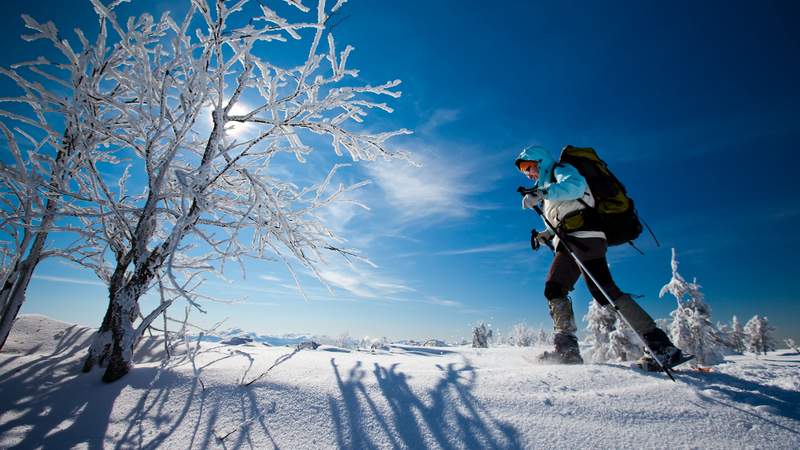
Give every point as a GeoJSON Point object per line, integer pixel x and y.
{"type": "Point", "coordinates": [543, 338]}
{"type": "Point", "coordinates": [522, 335]}
{"type": "Point", "coordinates": [758, 335]}
{"type": "Point", "coordinates": [59, 115]}
{"type": "Point", "coordinates": [692, 329]}
{"type": "Point", "coordinates": [737, 337]}
{"type": "Point", "coordinates": [481, 335]}
{"type": "Point", "coordinates": [623, 343]}
{"type": "Point", "coordinates": [600, 322]}
{"type": "Point", "coordinates": [725, 334]}
{"type": "Point", "coordinates": [210, 184]}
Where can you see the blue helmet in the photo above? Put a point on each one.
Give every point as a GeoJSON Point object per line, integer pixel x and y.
{"type": "Point", "coordinates": [536, 153]}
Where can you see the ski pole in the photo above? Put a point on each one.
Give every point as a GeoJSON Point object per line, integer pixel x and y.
{"type": "Point", "coordinates": [561, 237]}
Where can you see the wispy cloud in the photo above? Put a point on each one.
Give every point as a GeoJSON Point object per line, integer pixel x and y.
{"type": "Point", "coordinates": [363, 283]}
{"type": "Point", "coordinates": [445, 302]}
{"type": "Point", "coordinates": [269, 278]}
{"type": "Point", "coordinates": [493, 248]}
{"type": "Point", "coordinates": [69, 280]}
{"type": "Point", "coordinates": [439, 117]}
{"type": "Point", "coordinates": [443, 187]}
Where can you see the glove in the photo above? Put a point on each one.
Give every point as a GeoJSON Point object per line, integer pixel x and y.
{"type": "Point", "coordinates": [532, 199]}
{"type": "Point", "coordinates": [537, 239]}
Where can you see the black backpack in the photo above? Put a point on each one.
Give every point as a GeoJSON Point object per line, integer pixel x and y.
{"type": "Point", "coordinates": [613, 212]}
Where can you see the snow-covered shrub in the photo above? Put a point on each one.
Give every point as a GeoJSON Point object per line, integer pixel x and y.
{"type": "Point", "coordinates": [792, 345]}
{"type": "Point", "coordinates": [481, 335]}
{"type": "Point", "coordinates": [758, 335]}
{"type": "Point", "coordinates": [379, 344]}
{"type": "Point", "coordinates": [692, 330]}
{"type": "Point", "coordinates": [522, 335]}
{"type": "Point", "coordinates": [345, 341]}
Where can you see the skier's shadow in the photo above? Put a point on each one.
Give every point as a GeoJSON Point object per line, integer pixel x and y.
{"type": "Point", "coordinates": [453, 417]}
{"type": "Point", "coordinates": [778, 401]}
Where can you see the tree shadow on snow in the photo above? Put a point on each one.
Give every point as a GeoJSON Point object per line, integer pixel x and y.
{"type": "Point", "coordinates": [53, 404]}
{"type": "Point", "coordinates": [740, 392]}
{"type": "Point", "coordinates": [451, 417]}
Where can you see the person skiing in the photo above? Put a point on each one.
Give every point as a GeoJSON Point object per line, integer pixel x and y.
{"type": "Point", "coordinates": [565, 194]}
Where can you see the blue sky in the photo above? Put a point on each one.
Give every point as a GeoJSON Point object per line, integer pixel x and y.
{"type": "Point", "coordinates": [694, 106]}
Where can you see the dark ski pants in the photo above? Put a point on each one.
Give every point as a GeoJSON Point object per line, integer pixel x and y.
{"type": "Point", "coordinates": [564, 271]}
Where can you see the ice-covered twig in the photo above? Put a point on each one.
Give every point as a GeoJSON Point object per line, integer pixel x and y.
{"type": "Point", "coordinates": [282, 359]}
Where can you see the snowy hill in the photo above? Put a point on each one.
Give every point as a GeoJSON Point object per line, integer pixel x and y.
{"type": "Point", "coordinates": [275, 341]}
{"type": "Point", "coordinates": [406, 397]}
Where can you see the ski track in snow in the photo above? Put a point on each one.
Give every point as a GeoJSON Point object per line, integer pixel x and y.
{"type": "Point", "coordinates": [448, 398]}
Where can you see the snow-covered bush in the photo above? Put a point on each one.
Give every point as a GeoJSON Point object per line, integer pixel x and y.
{"type": "Point", "coordinates": [345, 341]}
{"type": "Point", "coordinates": [692, 330]}
{"type": "Point", "coordinates": [758, 335]}
{"type": "Point", "coordinates": [481, 335]}
{"type": "Point", "coordinates": [790, 342]}
{"type": "Point", "coordinates": [522, 335]}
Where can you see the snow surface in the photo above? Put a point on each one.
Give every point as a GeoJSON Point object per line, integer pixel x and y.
{"type": "Point", "coordinates": [407, 397]}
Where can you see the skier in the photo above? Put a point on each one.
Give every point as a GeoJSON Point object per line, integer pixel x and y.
{"type": "Point", "coordinates": [566, 197]}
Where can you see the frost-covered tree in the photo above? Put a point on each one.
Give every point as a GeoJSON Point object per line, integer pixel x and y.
{"type": "Point", "coordinates": [600, 323]}
{"type": "Point", "coordinates": [692, 329]}
{"type": "Point", "coordinates": [731, 335]}
{"type": "Point", "coordinates": [623, 343]}
{"type": "Point", "coordinates": [759, 335]}
{"type": "Point", "coordinates": [481, 335]}
{"type": "Point", "coordinates": [214, 127]}
{"type": "Point", "coordinates": [725, 334]}
{"type": "Point", "coordinates": [790, 342]}
{"type": "Point", "coordinates": [543, 338]}
{"type": "Point", "coordinates": [737, 338]}
{"type": "Point", "coordinates": [522, 335]}
{"type": "Point", "coordinates": [53, 132]}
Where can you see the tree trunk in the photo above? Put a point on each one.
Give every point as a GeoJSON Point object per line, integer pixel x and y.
{"type": "Point", "coordinates": [101, 344]}
{"type": "Point", "coordinates": [124, 310]}
{"type": "Point", "coordinates": [117, 338]}
{"type": "Point", "coordinates": [13, 292]}
{"type": "Point", "coordinates": [16, 291]}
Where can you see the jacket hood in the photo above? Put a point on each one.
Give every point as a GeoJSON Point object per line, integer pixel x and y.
{"type": "Point", "coordinates": [540, 154]}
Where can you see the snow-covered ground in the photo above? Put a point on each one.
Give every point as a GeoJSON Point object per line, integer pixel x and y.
{"type": "Point", "coordinates": [405, 398]}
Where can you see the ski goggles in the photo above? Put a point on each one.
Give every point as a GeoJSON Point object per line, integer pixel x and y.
{"type": "Point", "coordinates": [531, 167]}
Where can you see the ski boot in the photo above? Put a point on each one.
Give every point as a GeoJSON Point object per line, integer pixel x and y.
{"type": "Point", "coordinates": [669, 355]}
{"type": "Point", "coordinates": [566, 351]}
{"type": "Point", "coordinates": [566, 344]}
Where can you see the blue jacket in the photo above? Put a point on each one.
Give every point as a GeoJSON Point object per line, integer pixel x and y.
{"type": "Point", "coordinates": [569, 183]}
